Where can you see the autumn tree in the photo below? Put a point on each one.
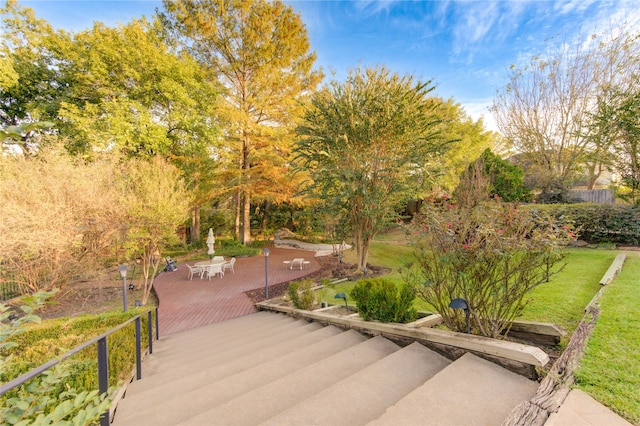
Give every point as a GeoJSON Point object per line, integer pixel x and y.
{"type": "Point", "coordinates": [546, 108]}
{"type": "Point", "coordinates": [259, 50]}
{"type": "Point", "coordinates": [364, 143]}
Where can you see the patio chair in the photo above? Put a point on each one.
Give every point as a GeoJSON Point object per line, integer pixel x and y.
{"type": "Point", "coordinates": [214, 269]}
{"type": "Point", "coordinates": [195, 270]}
{"type": "Point", "coordinates": [229, 265]}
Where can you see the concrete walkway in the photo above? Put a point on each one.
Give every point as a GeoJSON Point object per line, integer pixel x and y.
{"type": "Point", "coordinates": [580, 409]}
{"type": "Point", "coordinates": [185, 304]}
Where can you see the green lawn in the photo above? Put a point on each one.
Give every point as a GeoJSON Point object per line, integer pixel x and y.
{"type": "Point", "coordinates": [562, 300]}
{"type": "Point", "coordinates": [610, 369]}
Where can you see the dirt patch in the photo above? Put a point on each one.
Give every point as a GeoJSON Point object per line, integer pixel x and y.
{"type": "Point", "coordinates": [94, 296]}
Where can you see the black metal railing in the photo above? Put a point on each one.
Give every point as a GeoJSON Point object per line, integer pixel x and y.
{"type": "Point", "coordinates": [8, 290]}
{"type": "Point", "coordinates": [103, 362]}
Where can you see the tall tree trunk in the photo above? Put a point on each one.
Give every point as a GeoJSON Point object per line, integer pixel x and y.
{"type": "Point", "coordinates": [246, 192]}
{"type": "Point", "coordinates": [236, 229]}
{"type": "Point", "coordinates": [195, 225]}
{"type": "Point", "coordinates": [364, 255]}
{"type": "Point", "coordinates": [246, 217]}
{"type": "Point", "coordinates": [595, 170]}
{"type": "Point", "coordinates": [357, 238]}
{"type": "Point", "coordinates": [265, 217]}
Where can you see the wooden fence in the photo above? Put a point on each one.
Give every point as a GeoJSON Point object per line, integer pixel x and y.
{"type": "Point", "coordinates": [602, 196]}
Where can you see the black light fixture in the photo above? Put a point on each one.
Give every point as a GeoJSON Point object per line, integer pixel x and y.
{"type": "Point", "coordinates": [460, 303]}
{"type": "Point", "coordinates": [341, 295]}
{"type": "Point", "coordinates": [123, 273]}
{"type": "Point", "coordinates": [265, 252]}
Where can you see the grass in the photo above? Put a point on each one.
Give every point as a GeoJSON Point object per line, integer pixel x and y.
{"type": "Point", "coordinates": [562, 300]}
{"type": "Point", "coordinates": [610, 369]}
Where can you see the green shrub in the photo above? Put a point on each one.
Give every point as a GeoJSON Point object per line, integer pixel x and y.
{"type": "Point", "coordinates": [38, 343]}
{"type": "Point", "coordinates": [49, 398]}
{"type": "Point", "coordinates": [491, 255]}
{"type": "Point", "coordinates": [380, 299]}
{"type": "Point", "coordinates": [234, 248]}
{"type": "Point", "coordinates": [301, 294]}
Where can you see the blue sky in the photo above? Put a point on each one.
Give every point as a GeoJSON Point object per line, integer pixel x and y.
{"type": "Point", "coordinates": [465, 47]}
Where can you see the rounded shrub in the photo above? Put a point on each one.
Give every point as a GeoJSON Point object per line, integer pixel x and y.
{"type": "Point", "coordinates": [380, 299]}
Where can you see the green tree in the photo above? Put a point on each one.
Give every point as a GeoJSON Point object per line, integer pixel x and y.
{"type": "Point", "coordinates": [129, 91]}
{"type": "Point", "coordinates": [364, 144]}
{"type": "Point", "coordinates": [620, 116]}
{"type": "Point", "coordinates": [30, 45]}
{"type": "Point", "coordinates": [132, 93]}
{"type": "Point", "coordinates": [121, 88]}
{"type": "Point", "coordinates": [471, 140]}
{"type": "Point", "coordinates": [259, 50]}
{"type": "Point", "coordinates": [505, 179]}
{"type": "Point", "coordinates": [156, 202]}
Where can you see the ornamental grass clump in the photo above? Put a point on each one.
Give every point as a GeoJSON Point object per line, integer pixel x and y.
{"type": "Point", "coordinates": [301, 294]}
{"type": "Point", "coordinates": [491, 254]}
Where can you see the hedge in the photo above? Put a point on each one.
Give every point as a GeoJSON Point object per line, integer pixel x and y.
{"type": "Point", "coordinates": [598, 223]}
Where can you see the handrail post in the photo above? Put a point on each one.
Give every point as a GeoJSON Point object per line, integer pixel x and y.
{"type": "Point", "coordinates": [138, 350]}
{"type": "Point", "coordinates": [150, 332]}
{"type": "Point", "coordinates": [103, 375]}
{"type": "Point", "coordinates": [157, 325]}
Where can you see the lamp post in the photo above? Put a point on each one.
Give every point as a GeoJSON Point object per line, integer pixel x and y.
{"type": "Point", "coordinates": [460, 303]}
{"type": "Point", "coordinates": [265, 252]}
{"type": "Point", "coordinates": [123, 273]}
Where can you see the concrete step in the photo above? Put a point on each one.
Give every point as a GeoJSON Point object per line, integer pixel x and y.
{"type": "Point", "coordinates": [216, 386]}
{"type": "Point", "coordinates": [267, 401]}
{"type": "Point", "coordinates": [215, 346]}
{"type": "Point", "coordinates": [157, 389]}
{"type": "Point", "coordinates": [162, 369]}
{"type": "Point", "coordinates": [364, 396]}
{"type": "Point", "coordinates": [227, 332]}
{"type": "Point", "coordinates": [220, 327]}
{"type": "Point", "coordinates": [470, 390]}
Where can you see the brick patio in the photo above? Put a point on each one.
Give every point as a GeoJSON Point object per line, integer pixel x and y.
{"type": "Point", "coordinates": [185, 304]}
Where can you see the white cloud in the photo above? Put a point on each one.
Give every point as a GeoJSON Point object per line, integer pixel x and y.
{"type": "Point", "coordinates": [479, 108]}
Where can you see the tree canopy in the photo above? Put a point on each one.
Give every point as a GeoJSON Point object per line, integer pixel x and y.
{"type": "Point", "coordinates": [546, 109]}
{"type": "Point", "coordinates": [364, 143]}
{"type": "Point", "coordinates": [259, 51]}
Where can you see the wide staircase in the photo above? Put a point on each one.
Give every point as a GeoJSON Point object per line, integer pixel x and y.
{"type": "Point", "coordinates": [272, 369]}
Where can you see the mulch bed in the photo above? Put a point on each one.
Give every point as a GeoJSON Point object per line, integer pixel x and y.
{"type": "Point", "coordinates": [330, 267]}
